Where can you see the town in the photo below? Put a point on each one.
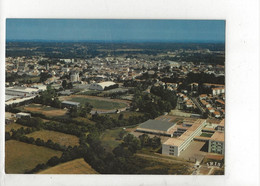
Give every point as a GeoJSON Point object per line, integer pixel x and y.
{"type": "Point", "coordinates": [115, 108]}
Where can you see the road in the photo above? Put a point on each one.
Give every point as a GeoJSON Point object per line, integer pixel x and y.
{"type": "Point", "coordinates": [198, 105]}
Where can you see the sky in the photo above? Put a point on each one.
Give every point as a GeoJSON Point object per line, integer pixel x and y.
{"type": "Point", "coordinates": [112, 30]}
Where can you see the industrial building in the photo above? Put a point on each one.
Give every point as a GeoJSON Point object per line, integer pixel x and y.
{"type": "Point", "coordinates": [21, 91]}
{"type": "Point", "coordinates": [157, 127]}
{"type": "Point", "coordinates": [101, 86]}
{"type": "Point", "coordinates": [69, 104]}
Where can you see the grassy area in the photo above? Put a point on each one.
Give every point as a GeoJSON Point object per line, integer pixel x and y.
{"type": "Point", "coordinates": [218, 172]}
{"type": "Point", "coordinates": [45, 110]}
{"type": "Point", "coordinates": [111, 139]}
{"type": "Point", "coordinates": [126, 114]}
{"type": "Point", "coordinates": [78, 166]}
{"type": "Point", "coordinates": [56, 137]}
{"type": "Point", "coordinates": [85, 120]}
{"type": "Point", "coordinates": [20, 156]}
{"type": "Point", "coordinates": [206, 134]}
{"type": "Point", "coordinates": [89, 92]}
{"type": "Point", "coordinates": [99, 104]}
{"type": "Point", "coordinates": [14, 126]}
{"type": "Point", "coordinates": [159, 166]}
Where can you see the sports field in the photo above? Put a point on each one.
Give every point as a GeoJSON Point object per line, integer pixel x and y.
{"type": "Point", "coordinates": [20, 156]}
{"type": "Point", "coordinates": [56, 137]}
{"type": "Point", "coordinates": [45, 110]}
{"type": "Point", "coordinates": [78, 166]}
{"type": "Point", "coordinates": [98, 102]}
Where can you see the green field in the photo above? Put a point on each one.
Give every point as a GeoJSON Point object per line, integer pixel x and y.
{"type": "Point", "coordinates": [89, 92]}
{"type": "Point", "coordinates": [14, 126]}
{"type": "Point", "coordinates": [84, 120]}
{"type": "Point", "coordinates": [153, 165]}
{"type": "Point", "coordinates": [126, 114]}
{"type": "Point", "coordinates": [56, 137]}
{"type": "Point", "coordinates": [20, 157]}
{"type": "Point", "coordinates": [111, 139]}
{"type": "Point", "coordinates": [78, 166]}
{"type": "Point", "coordinates": [99, 103]}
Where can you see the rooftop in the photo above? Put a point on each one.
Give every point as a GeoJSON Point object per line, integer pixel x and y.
{"type": "Point", "coordinates": [71, 102]}
{"type": "Point", "coordinates": [190, 130]}
{"type": "Point", "coordinates": [218, 136]}
{"type": "Point", "coordinates": [222, 123]}
{"type": "Point", "coordinates": [156, 125]}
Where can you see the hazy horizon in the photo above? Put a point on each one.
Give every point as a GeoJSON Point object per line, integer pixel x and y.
{"type": "Point", "coordinates": [115, 30]}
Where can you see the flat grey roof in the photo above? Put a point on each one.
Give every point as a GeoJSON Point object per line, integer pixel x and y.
{"type": "Point", "coordinates": [8, 97]}
{"type": "Point", "coordinates": [71, 102]}
{"type": "Point", "coordinates": [156, 125]}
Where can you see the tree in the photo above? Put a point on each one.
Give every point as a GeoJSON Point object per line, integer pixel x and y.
{"type": "Point", "coordinates": [121, 116]}
{"type": "Point", "coordinates": [64, 84]}
{"type": "Point", "coordinates": [70, 85]}
{"type": "Point", "coordinates": [85, 109]}
{"type": "Point", "coordinates": [7, 136]}
{"type": "Point", "coordinates": [155, 142]}
{"type": "Point", "coordinates": [53, 161]}
{"type": "Point", "coordinates": [132, 143]}
{"type": "Point", "coordinates": [44, 76]}
{"type": "Point", "coordinates": [144, 139]}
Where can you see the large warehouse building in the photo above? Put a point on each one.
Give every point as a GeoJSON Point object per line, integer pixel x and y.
{"type": "Point", "coordinates": [157, 127]}
{"type": "Point", "coordinates": [21, 91]}
{"type": "Point", "coordinates": [101, 86]}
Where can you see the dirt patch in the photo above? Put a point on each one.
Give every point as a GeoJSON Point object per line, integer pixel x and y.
{"type": "Point", "coordinates": [48, 111]}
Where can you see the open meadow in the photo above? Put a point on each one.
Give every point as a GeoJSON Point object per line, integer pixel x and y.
{"type": "Point", "coordinates": [111, 138]}
{"type": "Point", "coordinates": [21, 157]}
{"type": "Point", "coordinates": [14, 126]}
{"type": "Point", "coordinates": [45, 110]}
{"type": "Point", "coordinates": [78, 166]}
{"type": "Point", "coordinates": [56, 137]}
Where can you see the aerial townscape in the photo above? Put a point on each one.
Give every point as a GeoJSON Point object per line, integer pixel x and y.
{"type": "Point", "coordinates": [96, 107]}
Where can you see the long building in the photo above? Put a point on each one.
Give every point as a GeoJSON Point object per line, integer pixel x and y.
{"type": "Point", "coordinates": [174, 146]}
{"type": "Point", "coordinates": [21, 91]}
